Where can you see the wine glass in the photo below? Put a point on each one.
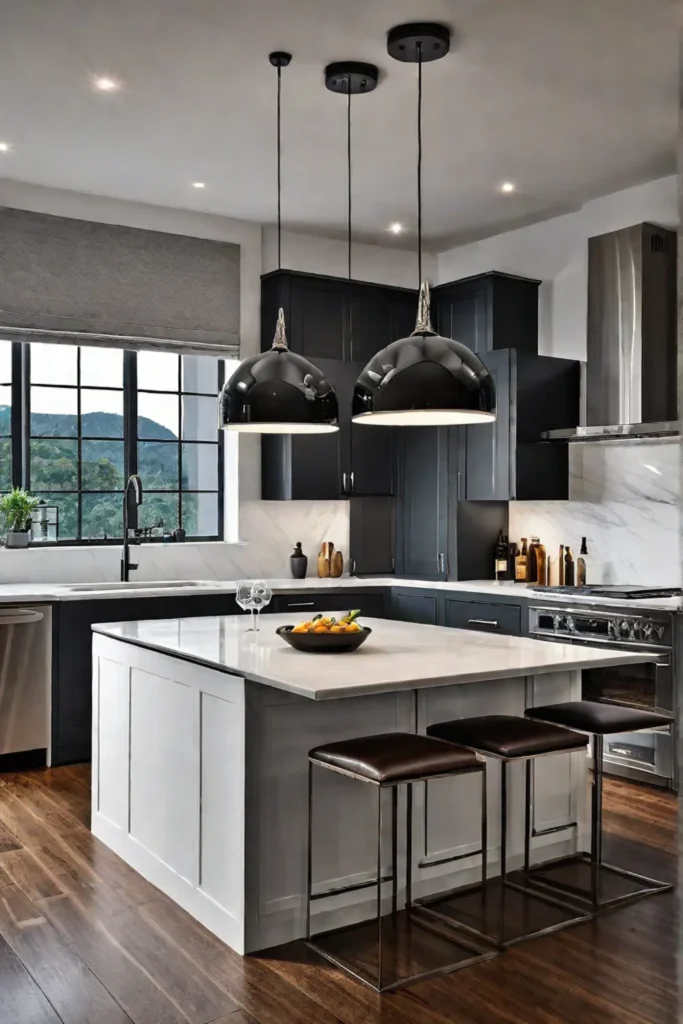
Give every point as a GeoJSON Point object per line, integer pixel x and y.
{"type": "Point", "coordinates": [244, 597]}
{"type": "Point", "coordinates": [261, 595]}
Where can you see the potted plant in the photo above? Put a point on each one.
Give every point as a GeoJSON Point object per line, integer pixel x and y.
{"type": "Point", "coordinates": [16, 508]}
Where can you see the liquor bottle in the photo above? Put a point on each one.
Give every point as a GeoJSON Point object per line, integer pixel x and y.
{"type": "Point", "coordinates": [532, 573]}
{"type": "Point", "coordinates": [501, 558]}
{"type": "Point", "coordinates": [522, 564]}
{"type": "Point", "coordinates": [568, 567]}
{"type": "Point", "coordinates": [561, 566]}
{"type": "Point", "coordinates": [582, 565]}
{"type": "Point", "coordinates": [541, 565]}
{"type": "Point", "coordinates": [513, 552]}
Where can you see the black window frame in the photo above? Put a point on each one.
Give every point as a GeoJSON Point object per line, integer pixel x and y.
{"type": "Point", "coordinates": [21, 438]}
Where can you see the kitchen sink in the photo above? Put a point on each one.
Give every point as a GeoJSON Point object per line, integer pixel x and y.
{"type": "Point", "coordinates": [141, 585]}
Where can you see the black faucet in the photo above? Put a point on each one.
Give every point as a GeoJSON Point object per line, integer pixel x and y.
{"type": "Point", "coordinates": [132, 498]}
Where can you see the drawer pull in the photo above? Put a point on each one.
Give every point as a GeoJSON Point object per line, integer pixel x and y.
{"type": "Point", "coordinates": [483, 622]}
{"type": "Point", "coordinates": [301, 604]}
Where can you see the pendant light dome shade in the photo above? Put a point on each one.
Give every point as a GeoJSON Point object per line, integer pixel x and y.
{"type": "Point", "coordinates": [424, 380]}
{"type": "Point", "coordinates": [278, 392]}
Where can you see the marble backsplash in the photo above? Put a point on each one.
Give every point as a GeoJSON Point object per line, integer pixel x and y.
{"type": "Point", "coordinates": [635, 542]}
{"type": "Point", "coordinates": [268, 532]}
{"type": "Point", "coordinates": [635, 470]}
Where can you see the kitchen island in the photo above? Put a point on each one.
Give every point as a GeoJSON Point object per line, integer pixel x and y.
{"type": "Point", "coordinates": [200, 738]}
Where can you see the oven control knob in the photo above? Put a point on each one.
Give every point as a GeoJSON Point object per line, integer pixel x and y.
{"type": "Point", "coordinates": [569, 624]}
{"type": "Point", "coordinates": [626, 629]}
{"type": "Point", "coordinates": [659, 630]}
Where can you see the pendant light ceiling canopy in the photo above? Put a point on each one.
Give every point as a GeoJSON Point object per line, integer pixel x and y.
{"type": "Point", "coordinates": [278, 391]}
{"type": "Point", "coordinates": [423, 380]}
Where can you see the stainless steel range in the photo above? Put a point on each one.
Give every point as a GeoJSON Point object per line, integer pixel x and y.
{"type": "Point", "coordinates": [646, 757]}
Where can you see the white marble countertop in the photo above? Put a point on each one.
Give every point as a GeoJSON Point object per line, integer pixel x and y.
{"type": "Point", "coordinates": [23, 593]}
{"type": "Point", "coordinates": [398, 655]}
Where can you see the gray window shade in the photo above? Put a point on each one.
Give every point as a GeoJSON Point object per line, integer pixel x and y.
{"type": "Point", "coordinates": [72, 276]}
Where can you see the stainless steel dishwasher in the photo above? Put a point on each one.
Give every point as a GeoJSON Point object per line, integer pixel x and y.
{"type": "Point", "coordinates": [25, 676]}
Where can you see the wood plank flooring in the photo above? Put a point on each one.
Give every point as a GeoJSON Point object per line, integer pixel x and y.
{"type": "Point", "coordinates": [85, 940]}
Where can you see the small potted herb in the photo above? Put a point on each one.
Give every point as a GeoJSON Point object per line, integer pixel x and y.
{"type": "Point", "coordinates": [16, 509]}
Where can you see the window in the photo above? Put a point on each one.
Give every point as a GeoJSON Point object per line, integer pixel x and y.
{"type": "Point", "coordinates": [178, 454]}
{"type": "Point", "coordinates": [93, 416]}
{"type": "Point", "coordinates": [5, 415]}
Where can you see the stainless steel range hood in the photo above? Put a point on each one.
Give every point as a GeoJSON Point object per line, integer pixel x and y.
{"type": "Point", "coordinates": [631, 370]}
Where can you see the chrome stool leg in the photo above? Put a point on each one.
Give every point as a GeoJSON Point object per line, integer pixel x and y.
{"type": "Point", "coordinates": [594, 859]}
{"type": "Point", "coordinates": [414, 908]}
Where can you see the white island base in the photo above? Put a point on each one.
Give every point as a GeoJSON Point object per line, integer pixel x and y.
{"type": "Point", "coordinates": [200, 782]}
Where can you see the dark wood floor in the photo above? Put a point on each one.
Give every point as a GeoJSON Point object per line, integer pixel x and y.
{"type": "Point", "coordinates": [85, 940]}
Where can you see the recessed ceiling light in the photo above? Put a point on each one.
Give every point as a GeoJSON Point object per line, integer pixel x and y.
{"type": "Point", "coordinates": [198, 184]}
{"type": "Point", "coordinates": [5, 147]}
{"type": "Point", "coordinates": [106, 84]}
{"type": "Point", "coordinates": [507, 186]}
{"type": "Point", "coordinates": [396, 228]}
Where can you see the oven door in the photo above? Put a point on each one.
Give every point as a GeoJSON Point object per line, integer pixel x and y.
{"type": "Point", "coordinates": [643, 756]}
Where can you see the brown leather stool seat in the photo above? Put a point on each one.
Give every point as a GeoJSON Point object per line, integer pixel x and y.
{"type": "Point", "coordinates": [395, 757]}
{"type": "Point", "coordinates": [598, 719]}
{"type": "Point", "coordinates": [507, 736]}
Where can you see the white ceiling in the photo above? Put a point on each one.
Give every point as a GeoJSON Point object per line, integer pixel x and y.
{"type": "Point", "coordinates": [568, 98]}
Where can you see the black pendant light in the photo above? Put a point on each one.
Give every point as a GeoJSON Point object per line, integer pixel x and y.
{"type": "Point", "coordinates": [423, 380]}
{"type": "Point", "coordinates": [278, 391]}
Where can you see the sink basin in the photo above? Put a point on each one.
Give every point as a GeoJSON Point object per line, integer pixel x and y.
{"type": "Point", "coordinates": [141, 585]}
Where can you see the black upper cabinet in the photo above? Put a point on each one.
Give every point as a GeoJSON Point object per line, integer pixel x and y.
{"type": "Point", "coordinates": [488, 312]}
{"type": "Point", "coordinates": [506, 460]}
{"type": "Point", "coordinates": [330, 318]}
{"type": "Point", "coordinates": [339, 326]}
{"type": "Point", "coordinates": [357, 460]}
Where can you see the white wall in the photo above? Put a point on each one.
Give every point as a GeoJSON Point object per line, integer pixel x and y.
{"type": "Point", "coordinates": [555, 251]}
{"type": "Point", "coordinates": [383, 264]}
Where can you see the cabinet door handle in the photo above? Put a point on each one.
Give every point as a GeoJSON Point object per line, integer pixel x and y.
{"type": "Point", "coordinates": [483, 622]}
{"type": "Point", "coordinates": [345, 489]}
{"type": "Point", "coordinates": [442, 562]}
{"type": "Point", "coordinates": [352, 481]}
{"type": "Point", "coordinates": [459, 485]}
{"type": "Point", "coordinates": [301, 604]}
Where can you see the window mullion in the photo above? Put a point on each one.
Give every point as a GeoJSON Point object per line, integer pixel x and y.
{"type": "Point", "coordinates": [130, 414]}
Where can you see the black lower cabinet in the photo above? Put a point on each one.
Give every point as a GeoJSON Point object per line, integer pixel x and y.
{"type": "Point", "coordinates": [415, 606]}
{"type": "Point", "coordinates": [72, 657]}
{"type": "Point", "coordinates": [372, 605]}
{"type": "Point", "coordinates": [483, 617]}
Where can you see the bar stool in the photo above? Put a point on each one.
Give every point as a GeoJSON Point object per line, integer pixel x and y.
{"type": "Point", "coordinates": [509, 739]}
{"type": "Point", "coordinates": [388, 761]}
{"type": "Point", "coordinates": [597, 720]}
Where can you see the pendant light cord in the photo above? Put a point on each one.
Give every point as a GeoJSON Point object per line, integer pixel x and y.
{"type": "Point", "coordinates": [279, 168]}
{"type": "Point", "coordinates": [348, 163]}
{"type": "Point", "coordinates": [419, 164]}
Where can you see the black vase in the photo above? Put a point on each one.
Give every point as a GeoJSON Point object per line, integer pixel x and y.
{"type": "Point", "coordinates": [299, 563]}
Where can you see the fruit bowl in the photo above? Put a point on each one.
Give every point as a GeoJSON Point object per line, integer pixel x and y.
{"type": "Point", "coordinates": [323, 643]}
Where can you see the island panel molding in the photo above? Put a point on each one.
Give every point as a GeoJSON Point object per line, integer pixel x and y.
{"type": "Point", "coordinates": [168, 779]}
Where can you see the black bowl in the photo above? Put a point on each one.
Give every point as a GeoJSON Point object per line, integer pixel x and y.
{"type": "Point", "coordinates": [323, 643]}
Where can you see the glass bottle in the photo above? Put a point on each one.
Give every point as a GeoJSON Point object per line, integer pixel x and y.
{"type": "Point", "coordinates": [501, 558]}
{"type": "Point", "coordinates": [532, 574]}
{"type": "Point", "coordinates": [568, 567]}
{"type": "Point", "coordinates": [522, 564]}
{"type": "Point", "coordinates": [581, 565]}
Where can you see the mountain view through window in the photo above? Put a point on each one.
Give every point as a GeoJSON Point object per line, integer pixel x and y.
{"type": "Point", "coordinates": [80, 451]}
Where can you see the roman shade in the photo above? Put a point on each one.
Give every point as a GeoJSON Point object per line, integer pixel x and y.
{"type": "Point", "coordinates": [83, 282]}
